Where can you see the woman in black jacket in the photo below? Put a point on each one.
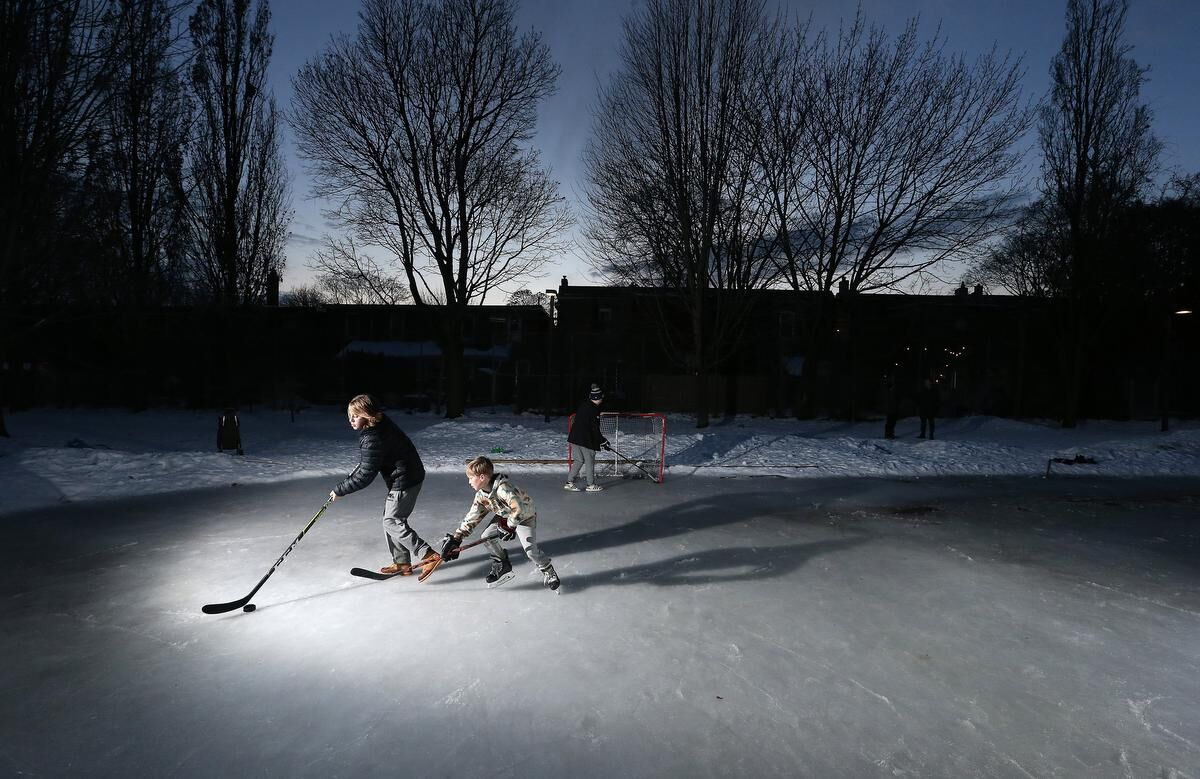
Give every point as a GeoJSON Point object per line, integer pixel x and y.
{"type": "Point", "coordinates": [385, 450]}
{"type": "Point", "coordinates": [585, 439]}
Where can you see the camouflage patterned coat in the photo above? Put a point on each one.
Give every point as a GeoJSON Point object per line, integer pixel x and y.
{"type": "Point", "coordinates": [511, 503]}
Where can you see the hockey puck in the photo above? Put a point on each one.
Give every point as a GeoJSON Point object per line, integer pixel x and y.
{"type": "Point", "coordinates": [249, 607]}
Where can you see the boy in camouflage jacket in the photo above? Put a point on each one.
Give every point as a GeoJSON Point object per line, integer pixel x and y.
{"type": "Point", "coordinates": [514, 517]}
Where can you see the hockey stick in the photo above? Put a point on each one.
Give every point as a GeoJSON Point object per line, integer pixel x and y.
{"type": "Point", "coordinates": [365, 574]}
{"type": "Point", "coordinates": [221, 608]}
{"type": "Point", "coordinates": [631, 462]}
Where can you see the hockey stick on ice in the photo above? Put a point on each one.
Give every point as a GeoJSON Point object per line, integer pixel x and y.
{"type": "Point", "coordinates": [221, 608]}
{"type": "Point", "coordinates": [364, 573]}
{"type": "Point", "coordinates": [612, 449]}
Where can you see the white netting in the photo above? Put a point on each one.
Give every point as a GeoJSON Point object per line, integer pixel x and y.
{"type": "Point", "coordinates": [639, 441]}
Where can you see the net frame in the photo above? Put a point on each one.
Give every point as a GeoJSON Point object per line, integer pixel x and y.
{"type": "Point", "coordinates": [640, 437]}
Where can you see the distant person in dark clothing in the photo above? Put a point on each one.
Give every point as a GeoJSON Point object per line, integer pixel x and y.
{"type": "Point", "coordinates": [585, 439]}
{"type": "Point", "coordinates": [927, 406]}
{"type": "Point", "coordinates": [385, 449]}
{"type": "Point", "coordinates": [891, 406]}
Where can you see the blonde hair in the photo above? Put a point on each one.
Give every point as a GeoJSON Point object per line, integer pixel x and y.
{"type": "Point", "coordinates": [367, 407]}
{"type": "Point", "coordinates": [480, 465]}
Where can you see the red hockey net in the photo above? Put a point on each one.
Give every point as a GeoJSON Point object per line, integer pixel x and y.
{"type": "Point", "coordinates": [639, 443]}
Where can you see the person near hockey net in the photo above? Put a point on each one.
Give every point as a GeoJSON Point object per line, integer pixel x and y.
{"type": "Point", "coordinates": [515, 517]}
{"type": "Point", "coordinates": [385, 449]}
{"type": "Point", "coordinates": [585, 440]}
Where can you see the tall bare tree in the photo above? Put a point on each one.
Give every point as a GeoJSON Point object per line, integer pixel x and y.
{"type": "Point", "coordinates": [909, 157]}
{"type": "Point", "coordinates": [902, 161]}
{"type": "Point", "coordinates": [240, 207]}
{"type": "Point", "coordinates": [1098, 156]}
{"type": "Point", "coordinates": [135, 168]}
{"type": "Point", "coordinates": [418, 128]}
{"type": "Point", "coordinates": [674, 188]}
{"type": "Point", "coordinates": [54, 64]}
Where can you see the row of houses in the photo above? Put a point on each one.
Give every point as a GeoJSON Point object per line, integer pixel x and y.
{"type": "Point", "coordinates": [793, 353]}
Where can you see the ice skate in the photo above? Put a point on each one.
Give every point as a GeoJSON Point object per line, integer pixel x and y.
{"type": "Point", "coordinates": [550, 579]}
{"type": "Point", "coordinates": [501, 572]}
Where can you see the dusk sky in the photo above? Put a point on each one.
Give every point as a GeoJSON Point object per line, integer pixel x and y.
{"type": "Point", "coordinates": [584, 37]}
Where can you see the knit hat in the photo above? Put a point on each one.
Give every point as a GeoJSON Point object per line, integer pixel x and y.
{"type": "Point", "coordinates": [596, 393]}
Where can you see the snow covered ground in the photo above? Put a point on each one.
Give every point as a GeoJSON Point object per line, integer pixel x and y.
{"type": "Point", "coordinates": [71, 455]}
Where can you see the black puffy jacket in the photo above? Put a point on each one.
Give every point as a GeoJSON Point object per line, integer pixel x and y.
{"type": "Point", "coordinates": [585, 429]}
{"type": "Point", "coordinates": [384, 449]}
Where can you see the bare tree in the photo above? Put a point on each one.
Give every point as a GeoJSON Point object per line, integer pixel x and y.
{"type": "Point", "coordinates": [1098, 156]}
{"type": "Point", "coordinates": [525, 297]}
{"type": "Point", "coordinates": [674, 187]}
{"type": "Point", "coordinates": [1028, 261]}
{"type": "Point", "coordinates": [53, 68]}
{"type": "Point", "coordinates": [351, 276]}
{"type": "Point", "coordinates": [240, 206]}
{"type": "Point", "coordinates": [418, 127]}
{"type": "Point", "coordinates": [135, 166]}
{"type": "Point", "coordinates": [909, 152]}
{"type": "Point", "coordinates": [52, 74]}
{"type": "Point", "coordinates": [306, 297]}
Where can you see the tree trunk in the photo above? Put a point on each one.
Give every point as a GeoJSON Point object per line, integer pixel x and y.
{"type": "Point", "coordinates": [1073, 355]}
{"type": "Point", "coordinates": [700, 365]}
{"type": "Point", "coordinates": [1018, 410]}
{"type": "Point", "coordinates": [452, 353]}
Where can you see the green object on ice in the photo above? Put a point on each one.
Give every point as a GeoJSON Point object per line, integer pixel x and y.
{"type": "Point", "coordinates": [499, 450]}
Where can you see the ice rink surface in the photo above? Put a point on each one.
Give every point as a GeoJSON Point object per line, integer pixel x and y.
{"type": "Point", "coordinates": [707, 627]}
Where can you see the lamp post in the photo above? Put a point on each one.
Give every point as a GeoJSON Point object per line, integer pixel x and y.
{"type": "Point", "coordinates": [1164, 395]}
{"type": "Point", "coordinates": [551, 296]}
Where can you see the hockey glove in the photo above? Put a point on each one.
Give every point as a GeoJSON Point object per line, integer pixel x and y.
{"type": "Point", "coordinates": [450, 545]}
{"type": "Point", "coordinates": [507, 533]}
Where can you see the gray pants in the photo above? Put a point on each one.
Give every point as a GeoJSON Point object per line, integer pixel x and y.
{"type": "Point", "coordinates": [400, 536]}
{"type": "Point", "coordinates": [582, 457]}
{"type": "Point", "coordinates": [525, 534]}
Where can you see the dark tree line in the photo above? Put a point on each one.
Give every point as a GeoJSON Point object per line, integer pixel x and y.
{"type": "Point", "coordinates": [141, 160]}
{"type": "Point", "coordinates": [732, 151]}
{"type": "Point", "coordinates": [1096, 240]}
{"type": "Point", "coordinates": [141, 153]}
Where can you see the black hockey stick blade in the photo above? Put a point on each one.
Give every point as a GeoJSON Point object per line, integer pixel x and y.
{"type": "Point", "coordinates": [221, 608]}
{"type": "Point", "coordinates": [364, 573]}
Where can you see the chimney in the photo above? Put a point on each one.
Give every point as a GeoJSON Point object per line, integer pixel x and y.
{"type": "Point", "coordinates": [843, 287]}
{"type": "Point", "coordinates": [978, 291]}
{"type": "Point", "coordinates": [961, 291]}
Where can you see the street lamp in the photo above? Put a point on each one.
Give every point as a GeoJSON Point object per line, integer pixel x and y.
{"type": "Point", "coordinates": [1164, 394]}
{"type": "Point", "coordinates": [551, 296]}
